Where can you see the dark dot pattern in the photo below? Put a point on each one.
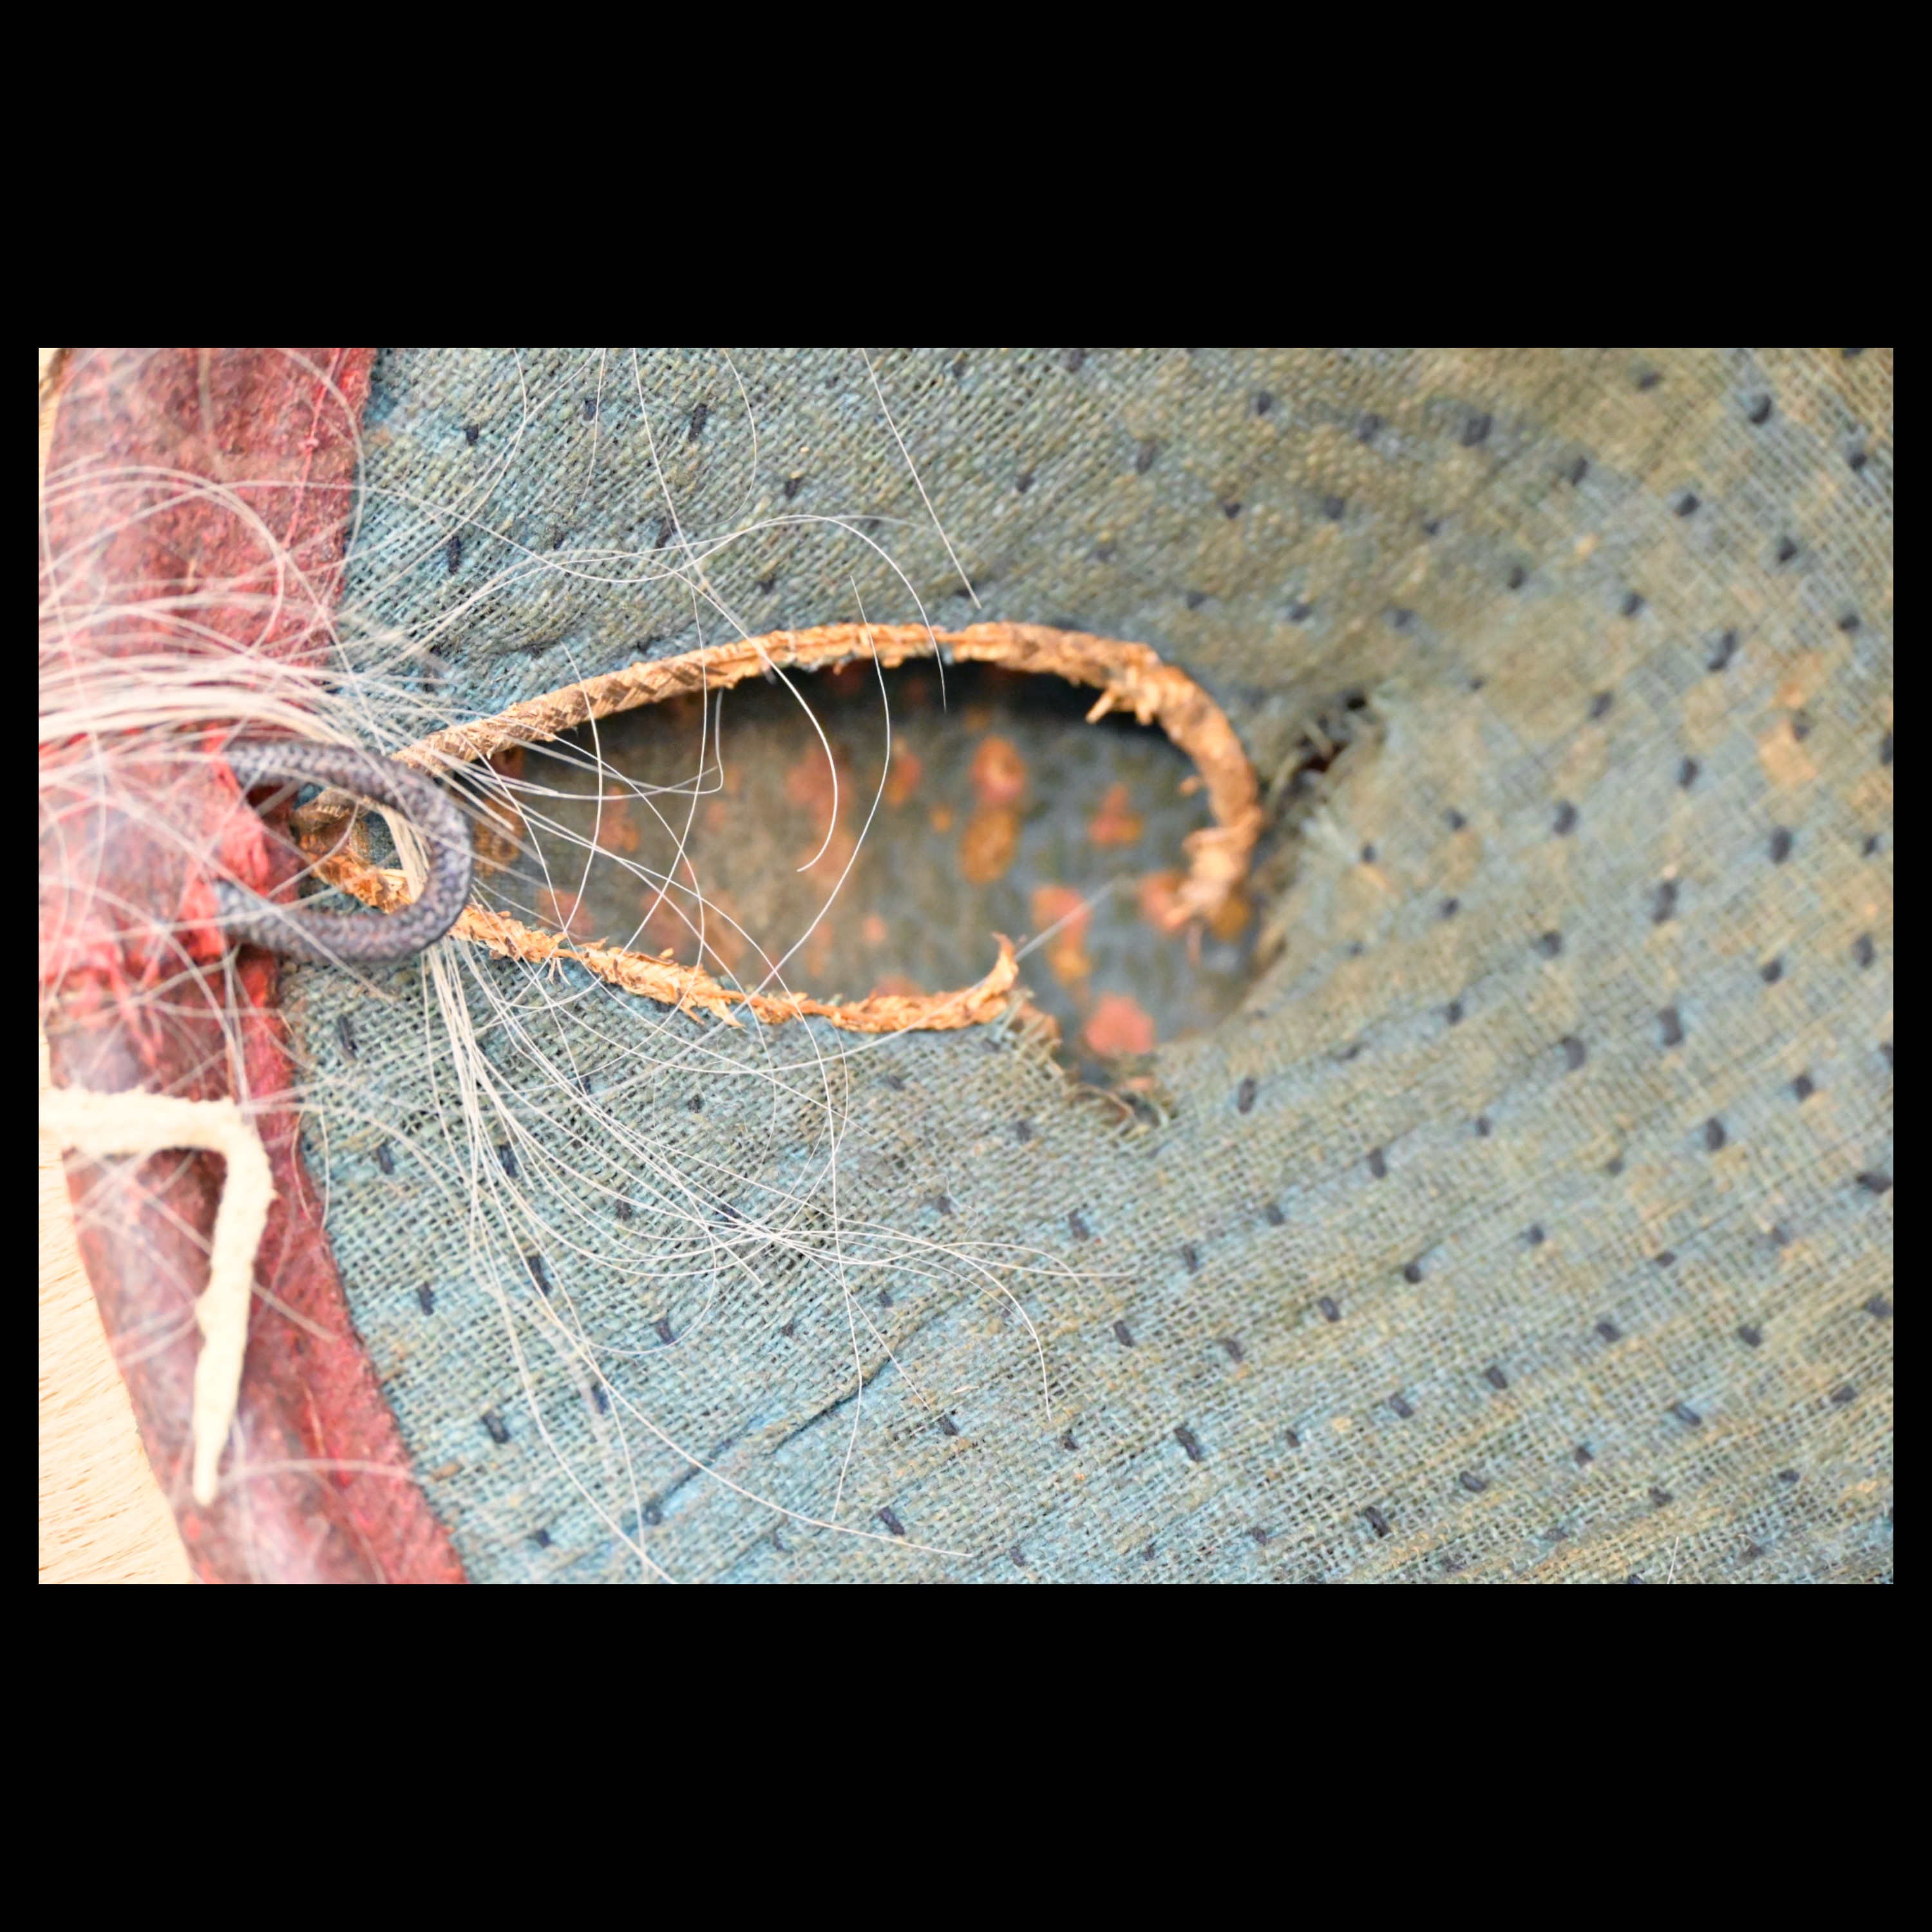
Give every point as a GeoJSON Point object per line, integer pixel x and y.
{"type": "Point", "coordinates": [1618, 975]}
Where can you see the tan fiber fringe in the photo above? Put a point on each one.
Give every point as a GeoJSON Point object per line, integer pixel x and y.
{"type": "Point", "coordinates": [688, 987]}
{"type": "Point", "coordinates": [1128, 677]}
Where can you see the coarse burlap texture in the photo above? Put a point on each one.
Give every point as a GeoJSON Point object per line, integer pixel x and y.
{"type": "Point", "coordinates": [1532, 1217]}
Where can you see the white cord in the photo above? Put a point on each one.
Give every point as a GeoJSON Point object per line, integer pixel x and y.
{"type": "Point", "coordinates": [100, 1125]}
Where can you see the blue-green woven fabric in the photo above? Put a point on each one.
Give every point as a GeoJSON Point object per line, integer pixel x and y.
{"type": "Point", "coordinates": [1532, 1218]}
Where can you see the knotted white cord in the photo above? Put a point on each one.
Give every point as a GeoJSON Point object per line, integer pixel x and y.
{"type": "Point", "coordinates": [100, 1125]}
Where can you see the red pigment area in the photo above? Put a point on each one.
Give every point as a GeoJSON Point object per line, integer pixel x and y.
{"type": "Point", "coordinates": [194, 503]}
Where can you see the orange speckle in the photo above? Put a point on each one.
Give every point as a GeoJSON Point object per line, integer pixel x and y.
{"type": "Point", "coordinates": [809, 785]}
{"type": "Point", "coordinates": [816, 953]}
{"type": "Point", "coordinates": [999, 771]}
{"type": "Point", "coordinates": [717, 815]}
{"type": "Point", "coordinates": [940, 819]}
{"type": "Point", "coordinates": [616, 830]}
{"type": "Point", "coordinates": [1120, 1025]}
{"type": "Point", "coordinates": [873, 930]}
{"type": "Point", "coordinates": [828, 860]}
{"type": "Point", "coordinates": [1066, 955]}
{"type": "Point", "coordinates": [987, 844]}
{"type": "Point", "coordinates": [1158, 898]}
{"type": "Point", "coordinates": [564, 912]}
{"type": "Point", "coordinates": [664, 930]}
{"type": "Point", "coordinates": [1116, 823]}
{"type": "Point", "coordinates": [902, 779]}
{"type": "Point", "coordinates": [1231, 921]}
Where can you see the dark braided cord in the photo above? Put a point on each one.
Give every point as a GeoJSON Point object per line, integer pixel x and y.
{"type": "Point", "coordinates": [354, 939]}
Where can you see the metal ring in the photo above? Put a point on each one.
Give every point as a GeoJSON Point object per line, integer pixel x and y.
{"type": "Point", "coordinates": [353, 939]}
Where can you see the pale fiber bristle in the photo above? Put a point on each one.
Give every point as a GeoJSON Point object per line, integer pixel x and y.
{"type": "Point", "coordinates": [181, 678]}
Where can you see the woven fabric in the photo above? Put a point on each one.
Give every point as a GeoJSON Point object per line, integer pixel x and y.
{"type": "Point", "coordinates": [1531, 1216]}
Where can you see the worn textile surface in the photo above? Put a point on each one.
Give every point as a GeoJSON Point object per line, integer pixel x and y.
{"type": "Point", "coordinates": [1533, 1217]}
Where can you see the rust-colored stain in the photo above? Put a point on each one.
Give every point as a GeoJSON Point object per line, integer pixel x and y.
{"type": "Point", "coordinates": [818, 788]}
{"type": "Point", "coordinates": [617, 829]}
{"type": "Point", "coordinates": [1116, 823]}
{"type": "Point", "coordinates": [674, 922]}
{"type": "Point", "coordinates": [1160, 894]}
{"type": "Point", "coordinates": [1231, 921]}
{"type": "Point", "coordinates": [1120, 1025]}
{"type": "Point", "coordinates": [810, 785]}
{"type": "Point", "coordinates": [829, 860]}
{"type": "Point", "coordinates": [902, 780]}
{"type": "Point", "coordinates": [662, 930]}
{"type": "Point", "coordinates": [816, 953]}
{"type": "Point", "coordinates": [874, 931]}
{"type": "Point", "coordinates": [564, 910]}
{"type": "Point", "coordinates": [999, 772]}
{"type": "Point", "coordinates": [940, 819]}
{"type": "Point", "coordinates": [987, 845]}
{"type": "Point", "coordinates": [1065, 952]}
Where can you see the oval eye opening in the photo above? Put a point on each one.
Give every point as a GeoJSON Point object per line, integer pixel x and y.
{"type": "Point", "coordinates": [779, 828]}
{"type": "Point", "coordinates": [759, 837]}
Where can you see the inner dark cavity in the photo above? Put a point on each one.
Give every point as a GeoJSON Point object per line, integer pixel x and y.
{"type": "Point", "coordinates": [1003, 811]}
